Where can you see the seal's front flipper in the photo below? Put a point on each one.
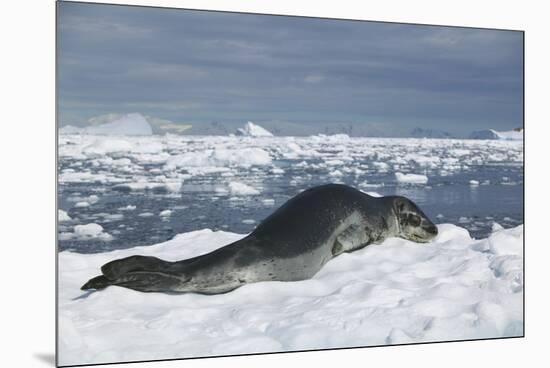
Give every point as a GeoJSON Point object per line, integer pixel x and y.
{"type": "Point", "coordinates": [353, 237]}
{"type": "Point", "coordinates": [117, 268]}
{"type": "Point", "coordinates": [97, 283]}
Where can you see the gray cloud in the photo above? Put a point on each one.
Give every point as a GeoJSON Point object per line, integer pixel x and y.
{"type": "Point", "coordinates": [200, 67]}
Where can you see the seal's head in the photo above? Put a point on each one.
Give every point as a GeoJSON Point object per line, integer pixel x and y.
{"type": "Point", "coordinates": [413, 224]}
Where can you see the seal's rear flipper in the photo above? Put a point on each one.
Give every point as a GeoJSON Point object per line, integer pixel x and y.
{"type": "Point", "coordinates": [98, 283]}
{"type": "Point", "coordinates": [119, 267]}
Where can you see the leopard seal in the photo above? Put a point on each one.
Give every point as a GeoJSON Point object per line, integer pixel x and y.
{"type": "Point", "coordinates": [291, 244]}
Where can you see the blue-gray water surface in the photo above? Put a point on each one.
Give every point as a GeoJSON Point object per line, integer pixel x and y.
{"type": "Point", "coordinates": [132, 217]}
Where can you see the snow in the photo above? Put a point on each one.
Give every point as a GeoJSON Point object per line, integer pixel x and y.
{"type": "Point", "coordinates": [411, 178]}
{"type": "Point", "coordinates": [252, 130]}
{"type": "Point", "coordinates": [452, 288]}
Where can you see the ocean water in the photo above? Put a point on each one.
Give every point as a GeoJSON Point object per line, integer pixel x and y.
{"type": "Point", "coordinates": [228, 183]}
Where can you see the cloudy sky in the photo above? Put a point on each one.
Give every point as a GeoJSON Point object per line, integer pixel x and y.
{"type": "Point", "coordinates": [198, 67]}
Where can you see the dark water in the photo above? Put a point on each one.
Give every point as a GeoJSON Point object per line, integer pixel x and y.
{"type": "Point", "coordinates": [446, 199]}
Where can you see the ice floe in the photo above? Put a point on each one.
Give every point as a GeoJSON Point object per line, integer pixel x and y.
{"type": "Point", "coordinates": [452, 288]}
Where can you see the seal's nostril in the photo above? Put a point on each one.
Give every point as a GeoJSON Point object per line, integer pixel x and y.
{"type": "Point", "coordinates": [432, 229]}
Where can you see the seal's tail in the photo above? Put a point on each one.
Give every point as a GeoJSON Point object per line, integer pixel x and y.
{"type": "Point", "coordinates": [141, 281]}
{"type": "Point", "coordinates": [98, 283]}
{"type": "Point", "coordinates": [115, 269]}
{"type": "Point", "coordinates": [140, 273]}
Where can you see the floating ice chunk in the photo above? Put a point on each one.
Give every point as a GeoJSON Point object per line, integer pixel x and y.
{"type": "Point", "coordinates": [91, 231]}
{"type": "Point", "coordinates": [62, 216]}
{"type": "Point", "coordinates": [268, 201]}
{"type": "Point", "coordinates": [381, 166]}
{"type": "Point", "coordinates": [113, 216]}
{"type": "Point", "coordinates": [496, 227]}
{"type": "Point", "coordinates": [248, 221]}
{"type": "Point", "coordinates": [165, 213]}
{"type": "Point", "coordinates": [146, 214]}
{"type": "Point", "coordinates": [474, 183]}
{"type": "Point", "coordinates": [172, 187]}
{"type": "Point", "coordinates": [277, 170]}
{"type": "Point", "coordinates": [336, 173]}
{"type": "Point", "coordinates": [103, 146]}
{"type": "Point", "coordinates": [82, 204]}
{"type": "Point", "coordinates": [237, 188]}
{"type": "Point", "coordinates": [128, 208]}
{"type": "Point", "coordinates": [65, 235]}
{"type": "Point", "coordinates": [220, 157]}
{"type": "Point", "coordinates": [334, 162]}
{"type": "Point", "coordinates": [411, 178]}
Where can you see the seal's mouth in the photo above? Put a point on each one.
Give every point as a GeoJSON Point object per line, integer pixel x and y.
{"type": "Point", "coordinates": [427, 233]}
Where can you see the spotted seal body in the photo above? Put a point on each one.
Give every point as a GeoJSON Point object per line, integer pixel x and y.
{"type": "Point", "coordinates": [291, 244]}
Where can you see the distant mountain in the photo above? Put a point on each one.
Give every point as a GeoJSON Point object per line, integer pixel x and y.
{"type": "Point", "coordinates": [252, 130]}
{"type": "Point", "coordinates": [514, 135]}
{"type": "Point", "coordinates": [429, 133]}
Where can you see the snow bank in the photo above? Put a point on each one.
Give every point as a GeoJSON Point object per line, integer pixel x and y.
{"type": "Point", "coordinates": [252, 130]}
{"type": "Point", "coordinates": [453, 288]}
{"type": "Point", "coordinates": [411, 178]}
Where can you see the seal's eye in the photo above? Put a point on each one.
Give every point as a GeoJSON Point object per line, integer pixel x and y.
{"type": "Point", "coordinates": [413, 220]}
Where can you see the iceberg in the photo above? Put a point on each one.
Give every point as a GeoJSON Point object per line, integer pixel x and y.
{"type": "Point", "coordinates": [133, 124]}
{"type": "Point", "coordinates": [252, 130]}
{"type": "Point", "coordinates": [509, 135]}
